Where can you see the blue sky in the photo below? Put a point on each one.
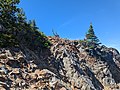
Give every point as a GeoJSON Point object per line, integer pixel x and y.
{"type": "Point", "coordinates": [71, 18]}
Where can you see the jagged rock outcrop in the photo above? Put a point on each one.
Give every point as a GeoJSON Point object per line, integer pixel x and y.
{"type": "Point", "coordinates": [66, 65]}
{"type": "Point", "coordinates": [86, 69]}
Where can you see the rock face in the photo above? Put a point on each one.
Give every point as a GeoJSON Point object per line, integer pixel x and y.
{"type": "Point", "coordinates": [86, 69]}
{"type": "Point", "coordinates": [67, 65]}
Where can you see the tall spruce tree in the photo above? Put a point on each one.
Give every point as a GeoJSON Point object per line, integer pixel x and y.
{"type": "Point", "coordinates": [91, 37]}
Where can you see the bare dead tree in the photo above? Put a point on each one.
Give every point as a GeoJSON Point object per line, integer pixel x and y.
{"type": "Point", "coordinates": [55, 33]}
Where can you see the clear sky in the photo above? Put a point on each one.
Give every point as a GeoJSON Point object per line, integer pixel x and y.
{"type": "Point", "coordinates": [71, 18]}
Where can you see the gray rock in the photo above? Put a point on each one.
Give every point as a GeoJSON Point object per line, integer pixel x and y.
{"type": "Point", "coordinates": [108, 81]}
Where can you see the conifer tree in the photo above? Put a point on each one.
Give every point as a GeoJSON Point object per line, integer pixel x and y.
{"type": "Point", "coordinates": [21, 16]}
{"type": "Point", "coordinates": [8, 10]}
{"type": "Point", "coordinates": [17, 28]}
{"type": "Point", "coordinates": [11, 16]}
{"type": "Point", "coordinates": [91, 37]}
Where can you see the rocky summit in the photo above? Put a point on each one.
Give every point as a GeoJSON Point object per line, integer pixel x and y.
{"type": "Point", "coordinates": [30, 60]}
{"type": "Point", "coordinates": [65, 65]}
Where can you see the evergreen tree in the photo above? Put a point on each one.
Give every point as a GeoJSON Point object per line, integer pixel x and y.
{"type": "Point", "coordinates": [17, 28]}
{"type": "Point", "coordinates": [12, 17]}
{"type": "Point", "coordinates": [21, 16]}
{"type": "Point", "coordinates": [8, 11]}
{"type": "Point", "coordinates": [91, 37]}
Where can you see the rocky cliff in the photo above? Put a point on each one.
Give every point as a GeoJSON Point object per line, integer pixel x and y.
{"type": "Point", "coordinates": [66, 65]}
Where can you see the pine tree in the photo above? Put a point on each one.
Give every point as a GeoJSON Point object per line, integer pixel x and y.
{"type": "Point", "coordinates": [8, 11]}
{"type": "Point", "coordinates": [21, 16]}
{"type": "Point", "coordinates": [17, 28]}
{"type": "Point", "coordinates": [91, 37]}
{"type": "Point", "coordinates": [11, 16]}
